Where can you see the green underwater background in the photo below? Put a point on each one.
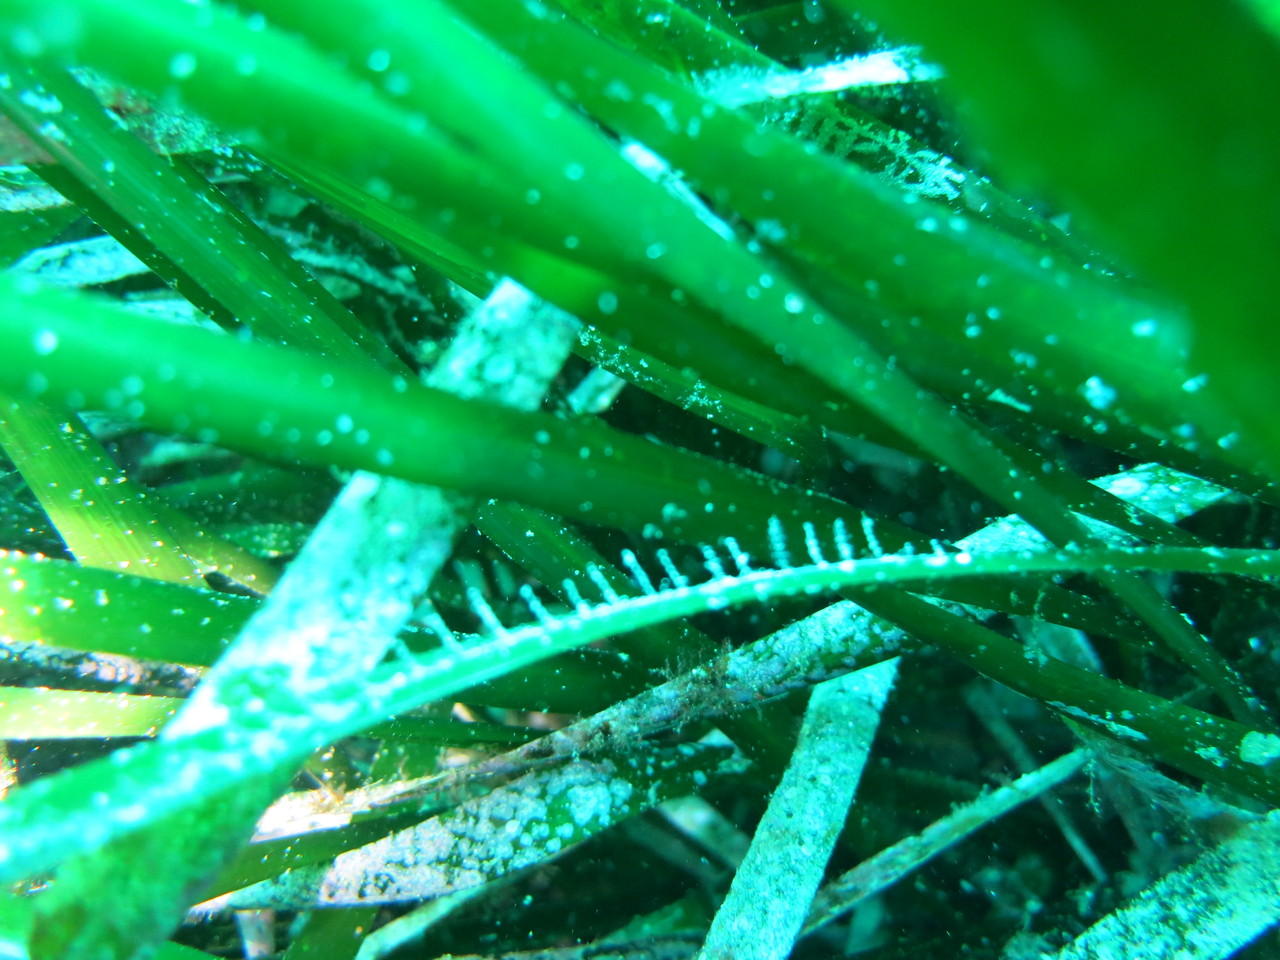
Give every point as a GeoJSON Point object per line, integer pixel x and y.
{"type": "Point", "coordinates": [579, 479]}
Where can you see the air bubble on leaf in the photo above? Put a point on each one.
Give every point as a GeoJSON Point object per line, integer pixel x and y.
{"type": "Point", "coordinates": [46, 342]}
{"type": "Point", "coordinates": [182, 65]}
{"type": "Point", "coordinates": [574, 171]}
{"type": "Point", "coordinates": [615, 89]}
{"type": "Point", "coordinates": [1144, 328]}
{"type": "Point", "coordinates": [398, 84]}
{"type": "Point", "coordinates": [52, 131]}
{"type": "Point", "coordinates": [607, 302]}
{"type": "Point", "coordinates": [1098, 393]}
{"type": "Point", "coordinates": [771, 229]}
{"type": "Point", "coordinates": [793, 303]}
{"type": "Point", "coordinates": [40, 101]}
{"type": "Point", "coordinates": [672, 511]}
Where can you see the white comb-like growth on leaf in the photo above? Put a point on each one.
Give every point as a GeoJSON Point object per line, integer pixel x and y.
{"type": "Point", "coordinates": [711, 561]}
{"type": "Point", "coordinates": [575, 597]}
{"type": "Point", "coordinates": [840, 533]}
{"type": "Point", "coordinates": [869, 534]}
{"type": "Point", "coordinates": [480, 606]}
{"type": "Point", "coordinates": [811, 543]}
{"type": "Point", "coordinates": [637, 571]}
{"type": "Point", "coordinates": [739, 556]}
{"type": "Point", "coordinates": [778, 544]}
{"type": "Point", "coordinates": [540, 612]}
{"type": "Point", "coordinates": [677, 596]}
{"type": "Point", "coordinates": [674, 576]}
{"type": "Point", "coordinates": [596, 575]}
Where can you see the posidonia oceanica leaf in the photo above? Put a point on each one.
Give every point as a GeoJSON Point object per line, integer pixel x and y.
{"type": "Point", "coordinates": [44, 714]}
{"type": "Point", "coordinates": [56, 816]}
{"type": "Point", "coordinates": [1110, 110]}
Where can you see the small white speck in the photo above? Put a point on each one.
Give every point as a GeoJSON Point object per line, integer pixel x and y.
{"type": "Point", "coordinates": [1098, 393]}
{"type": "Point", "coordinates": [1259, 748]}
{"type": "Point", "coordinates": [182, 65]}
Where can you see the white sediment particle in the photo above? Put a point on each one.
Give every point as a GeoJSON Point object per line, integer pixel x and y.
{"type": "Point", "coordinates": [1213, 755]}
{"type": "Point", "coordinates": [1259, 748]}
{"type": "Point", "coordinates": [1099, 394]}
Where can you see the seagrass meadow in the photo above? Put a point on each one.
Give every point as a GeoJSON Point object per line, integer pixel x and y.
{"type": "Point", "coordinates": [655, 479]}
